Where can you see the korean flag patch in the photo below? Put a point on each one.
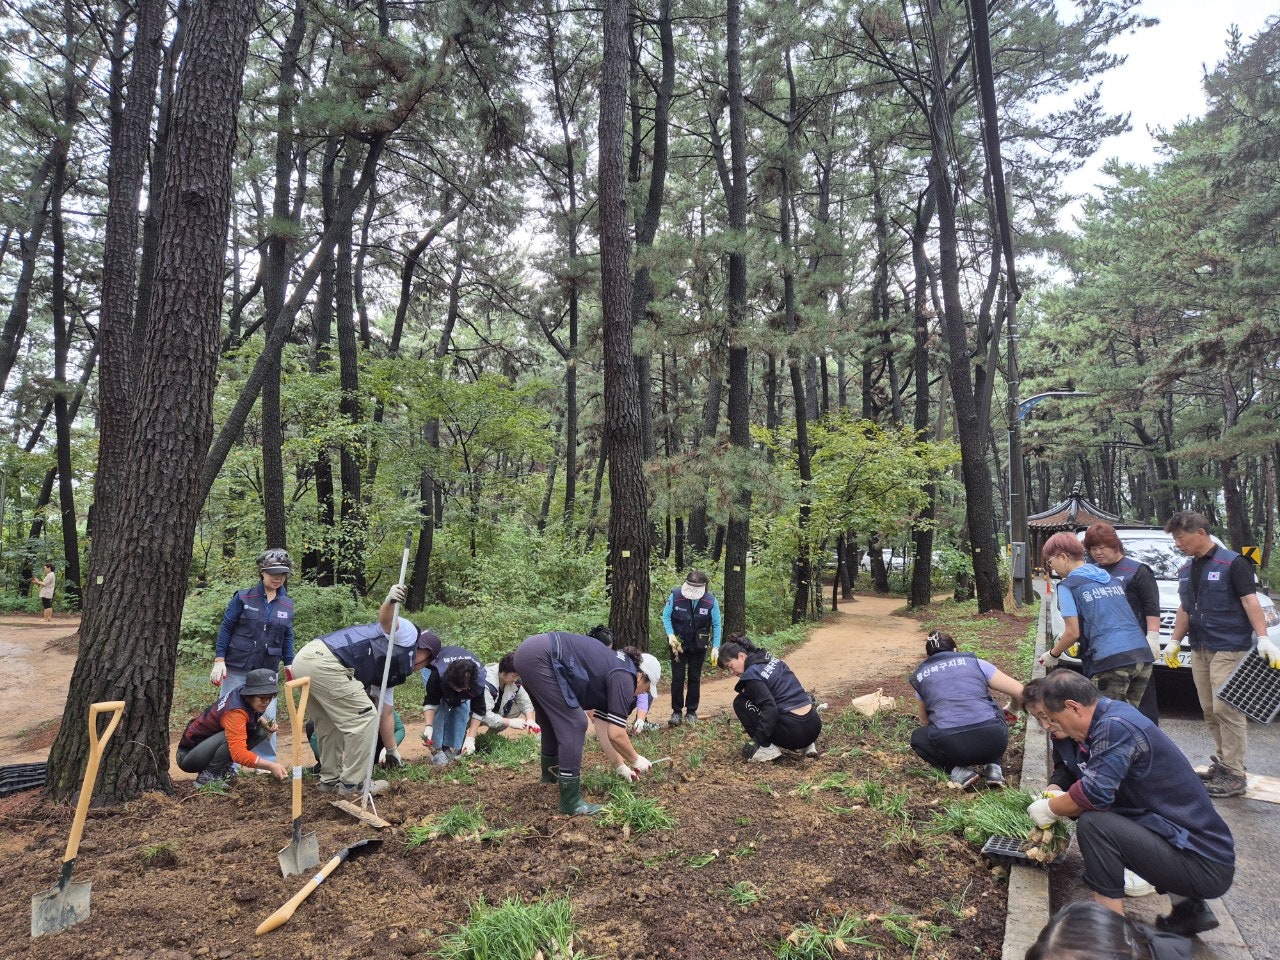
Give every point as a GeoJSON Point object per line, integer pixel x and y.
{"type": "Point", "coordinates": [1214, 575]}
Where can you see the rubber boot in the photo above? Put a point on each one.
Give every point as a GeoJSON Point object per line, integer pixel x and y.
{"type": "Point", "coordinates": [550, 770]}
{"type": "Point", "coordinates": [571, 801]}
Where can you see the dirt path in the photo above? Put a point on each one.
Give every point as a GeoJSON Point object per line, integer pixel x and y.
{"type": "Point", "coordinates": [860, 643]}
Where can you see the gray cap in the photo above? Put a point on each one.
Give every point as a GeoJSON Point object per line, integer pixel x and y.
{"type": "Point", "coordinates": [260, 683]}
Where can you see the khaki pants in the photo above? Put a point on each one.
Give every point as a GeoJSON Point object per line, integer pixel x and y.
{"type": "Point", "coordinates": [346, 721]}
{"type": "Point", "coordinates": [1229, 727]}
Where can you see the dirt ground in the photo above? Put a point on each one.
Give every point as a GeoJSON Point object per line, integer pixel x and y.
{"type": "Point", "coordinates": [190, 875]}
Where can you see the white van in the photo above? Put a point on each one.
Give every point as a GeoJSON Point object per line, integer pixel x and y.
{"type": "Point", "coordinates": [1155, 548]}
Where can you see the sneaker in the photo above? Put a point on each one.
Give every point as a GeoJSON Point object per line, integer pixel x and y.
{"type": "Point", "coordinates": [221, 775]}
{"type": "Point", "coordinates": [327, 786]}
{"type": "Point", "coordinates": [1135, 886]}
{"type": "Point", "coordinates": [675, 720]}
{"type": "Point", "coordinates": [811, 750]}
{"type": "Point", "coordinates": [993, 775]}
{"type": "Point", "coordinates": [1188, 918]}
{"type": "Point", "coordinates": [963, 778]}
{"type": "Point", "coordinates": [1226, 785]}
{"type": "Point", "coordinates": [354, 791]}
{"type": "Point", "coordinates": [765, 754]}
{"type": "Point", "coordinates": [441, 758]}
{"type": "Point", "coordinates": [1210, 772]}
{"type": "Point", "coordinates": [690, 718]}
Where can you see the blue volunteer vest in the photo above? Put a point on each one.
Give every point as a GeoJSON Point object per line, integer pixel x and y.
{"type": "Point", "coordinates": [257, 640]}
{"type": "Point", "coordinates": [363, 650]}
{"type": "Point", "coordinates": [691, 617]}
{"type": "Point", "coordinates": [1218, 620]}
{"type": "Point", "coordinates": [787, 691]}
{"type": "Point", "coordinates": [954, 691]}
{"type": "Point", "coordinates": [440, 665]}
{"type": "Point", "coordinates": [1109, 635]}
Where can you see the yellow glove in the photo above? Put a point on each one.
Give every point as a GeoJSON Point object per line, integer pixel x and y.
{"type": "Point", "coordinates": [1171, 650]}
{"type": "Point", "coordinates": [674, 643]}
{"type": "Point", "coordinates": [1269, 652]}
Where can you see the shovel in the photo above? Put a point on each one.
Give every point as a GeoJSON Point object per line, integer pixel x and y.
{"type": "Point", "coordinates": [281, 916]}
{"type": "Point", "coordinates": [303, 852]}
{"type": "Point", "coordinates": [67, 904]}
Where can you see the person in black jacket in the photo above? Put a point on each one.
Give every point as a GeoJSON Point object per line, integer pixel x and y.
{"type": "Point", "coordinates": [772, 705]}
{"type": "Point", "coordinates": [1088, 930]}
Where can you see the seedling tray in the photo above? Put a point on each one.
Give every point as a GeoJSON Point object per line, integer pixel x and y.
{"type": "Point", "coordinates": [21, 776]}
{"type": "Point", "coordinates": [1008, 851]}
{"type": "Point", "coordinates": [1253, 688]}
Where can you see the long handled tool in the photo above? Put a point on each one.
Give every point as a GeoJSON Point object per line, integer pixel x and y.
{"type": "Point", "coordinates": [67, 903]}
{"type": "Point", "coordinates": [366, 810]}
{"type": "Point", "coordinates": [303, 852]}
{"type": "Point", "coordinates": [281, 916]}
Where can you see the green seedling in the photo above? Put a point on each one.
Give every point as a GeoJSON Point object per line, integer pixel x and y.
{"type": "Point", "coordinates": [702, 859]}
{"type": "Point", "coordinates": [742, 821]}
{"type": "Point", "coordinates": [744, 893]}
{"type": "Point", "coordinates": [635, 813]}
{"type": "Point", "coordinates": [824, 940]}
{"type": "Point", "coordinates": [911, 931]}
{"type": "Point", "coordinates": [163, 854]}
{"type": "Point", "coordinates": [598, 781]}
{"type": "Point", "coordinates": [460, 821]}
{"type": "Point", "coordinates": [514, 929]}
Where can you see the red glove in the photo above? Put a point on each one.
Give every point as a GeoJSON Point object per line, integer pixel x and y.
{"type": "Point", "coordinates": [288, 672]}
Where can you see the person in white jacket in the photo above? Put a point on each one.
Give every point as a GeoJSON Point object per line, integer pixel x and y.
{"type": "Point", "coordinates": [507, 704]}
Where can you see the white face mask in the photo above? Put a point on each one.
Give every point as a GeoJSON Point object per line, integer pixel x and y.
{"type": "Point", "coordinates": [690, 592]}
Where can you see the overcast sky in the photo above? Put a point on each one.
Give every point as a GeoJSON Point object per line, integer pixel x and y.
{"type": "Point", "coordinates": [1159, 84]}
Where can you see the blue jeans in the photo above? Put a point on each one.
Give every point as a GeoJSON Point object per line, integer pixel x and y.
{"type": "Point", "coordinates": [450, 725]}
{"type": "Point", "coordinates": [233, 681]}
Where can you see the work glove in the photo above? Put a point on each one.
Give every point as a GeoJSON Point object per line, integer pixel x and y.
{"type": "Point", "coordinates": [428, 736]}
{"type": "Point", "coordinates": [468, 747]}
{"type": "Point", "coordinates": [674, 643]}
{"type": "Point", "coordinates": [1050, 792]}
{"type": "Point", "coordinates": [715, 657]}
{"type": "Point", "coordinates": [641, 765]}
{"type": "Point", "coordinates": [1041, 815]}
{"type": "Point", "coordinates": [516, 723]}
{"type": "Point", "coordinates": [288, 673]}
{"type": "Point", "coordinates": [218, 673]}
{"type": "Point", "coordinates": [1171, 650]}
{"type": "Point", "coordinates": [396, 594]}
{"type": "Point", "coordinates": [1153, 641]}
{"type": "Point", "coordinates": [531, 727]}
{"type": "Point", "coordinates": [638, 726]}
{"type": "Point", "coordinates": [1009, 716]}
{"type": "Point", "coordinates": [391, 759]}
{"type": "Point", "coordinates": [1048, 660]}
{"type": "Point", "coordinates": [626, 773]}
{"type": "Point", "coordinates": [1269, 652]}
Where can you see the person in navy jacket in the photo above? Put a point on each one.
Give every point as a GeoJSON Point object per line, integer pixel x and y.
{"type": "Point", "coordinates": [773, 706]}
{"type": "Point", "coordinates": [257, 633]}
{"type": "Point", "coordinates": [692, 621]}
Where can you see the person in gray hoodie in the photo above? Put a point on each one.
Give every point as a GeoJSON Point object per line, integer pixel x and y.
{"type": "Point", "coordinates": [1095, 613]}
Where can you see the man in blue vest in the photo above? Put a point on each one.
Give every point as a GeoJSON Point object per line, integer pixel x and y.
{"type": "Point", "coordinates": [342, 666]}
{"type": "Point", "coordinates": [1218, 609]}
{"type": "Point", "coordinates": [1139, 806]}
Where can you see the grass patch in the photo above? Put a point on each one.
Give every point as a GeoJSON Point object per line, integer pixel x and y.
{"type": "Point", "coordinates": [514, 930]}
{"type": "Point", "coordinates": [744, 893]}
{"type": "Point", "coordinates": [163, 854]}
{"type": "Point", "coordinates": [824, 939]}
{"type": "Point", "coordinates": [633, 812]}
{"type": "Point", "coordinates": [461, 823]}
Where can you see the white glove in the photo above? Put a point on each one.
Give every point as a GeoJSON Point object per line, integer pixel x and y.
{"type": "Point", "coordinates": [468, 747]}
{"type": "Point", "coordinates": [1051, 791]}
{"type": "Point", "coordinates": [396, 594]}
{"type": "Point", "coordinates": [1269, 652]}
{"type": "Point", "coordinates": [391, 758]}
{"type": "Point", "coordinates": [218, 673]}
{"type": "Point", "coordinates": [674, 643]}
{"type": "Point", "coordinates": [531, 727]}
{"type": "Point", "coordinates": [638, 726]}
{"type": "Point", "coordinates": [428, 736]}
{"type": "Point", "coordinates": [516, 723]}
{"type": "Point", "coordinates": [715, 656]}
{"type": "Point", "coordinates": [1048, 660]}
{"type": "Point", "coordinates": [1171, 650]}
{"type": "Point", "coordinates": [625, 772]}
{"type": "Point", "coordinates": [641, 765]}
{"type": "Point", "coordinates": [1041, 815]}
{"type": "Point", "coordinates": [1153, 641]}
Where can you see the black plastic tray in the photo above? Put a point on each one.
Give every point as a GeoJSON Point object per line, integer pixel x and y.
{"type": "Point", "coordinates": [21, 776]}
{"type": "Point", "coordinates": [1253, 688]}
{"type": "Point", "coordinates": [1008, 851]}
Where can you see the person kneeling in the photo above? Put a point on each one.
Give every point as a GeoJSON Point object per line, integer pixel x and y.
{"type": "Point", "coordinates": [226, 732]}
{"type": "Point", "coordinates": [774, 708]}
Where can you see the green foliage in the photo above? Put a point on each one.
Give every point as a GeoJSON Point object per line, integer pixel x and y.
{"type": "Point", "coordinates": [744, 893]}
{"type": "Point", "coordinates": [634, 811]}
{"type": "Point", "coordinates": [825, 939]}
{"type": "Point", "coordinates": [460, 822]}
{"type": "Point", "coordinates": [514, 930]}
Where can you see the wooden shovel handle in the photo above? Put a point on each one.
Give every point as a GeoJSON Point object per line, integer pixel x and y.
{"type": "Point", "coordinates": [97, 743]}
{"type": "Point", "coordinates": [281, 916]}
{"type": "Point", "coordinates": [297, 713]}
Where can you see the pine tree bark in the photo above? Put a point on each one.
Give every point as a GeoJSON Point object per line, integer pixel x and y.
{"type": "Point", "coordinates": [128, 653]}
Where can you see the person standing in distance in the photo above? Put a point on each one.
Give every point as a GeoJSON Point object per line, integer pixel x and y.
{"type": "Point", "coordinates": [691, 617]}
{"type": "Point", "coordinates": [46, 592]}
{"type": "Point", "coordinates": [257, 633]}
{"type": "Point", "coordinates": [1218, 609]}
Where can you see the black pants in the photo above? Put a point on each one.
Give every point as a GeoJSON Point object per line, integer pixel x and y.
{"type": "Point", "coordinates": [791, 732]}
{"type": "Point", "coordinates": [973, 746]}
{"type": "Point", "coordinates": [1110, 842]}
{"type": "Point", "coordinates": [213, 752]}
{"type": "Point", "coordinates": [690, 664]}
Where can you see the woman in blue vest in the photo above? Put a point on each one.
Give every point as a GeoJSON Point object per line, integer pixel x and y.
{"type": "Point", "coordinates": [963, 731]}
{"type": "Point", "coordinates": [229, 730]}
{"type": "Point", "coordinates": [1113, 649]}
{"type": "Point", "coordinates": [691, 618]}
{"type": "Point", "coordinates": [257, 632]}
{"type": "Point", "coordinates": [567, 674]}
{"type": "Point", "coordinates": [773, 706]}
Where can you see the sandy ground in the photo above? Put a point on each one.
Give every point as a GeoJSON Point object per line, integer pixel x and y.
{"type": "Point", "coordinates": [860, 642]}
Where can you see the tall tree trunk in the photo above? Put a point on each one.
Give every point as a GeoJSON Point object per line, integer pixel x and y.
{"type": "Point", "coordinates": [15, 323]}
{"type": "Point", "coordinates": [630, 531]}
{"type": "Point", "coordinates": [352, 521]}
{"type": "Point", "coordinates": [921, 591]}
{"type": "Point", "coordinates": [124, 656]}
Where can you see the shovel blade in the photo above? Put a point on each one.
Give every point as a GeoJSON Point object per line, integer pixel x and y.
{"type": "Point", "coordinates": [60, 907]}
{"type": "Point", "coordinates": [300, 857]}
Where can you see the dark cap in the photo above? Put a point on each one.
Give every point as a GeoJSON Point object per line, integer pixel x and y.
{"type": "Point", "coordinates": [428, 640]}
{"type": "Point", "coordinates": [260, 683]}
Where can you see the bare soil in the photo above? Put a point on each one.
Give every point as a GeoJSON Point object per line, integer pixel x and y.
{"type": "Point", "coordinates": [190, 875]}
